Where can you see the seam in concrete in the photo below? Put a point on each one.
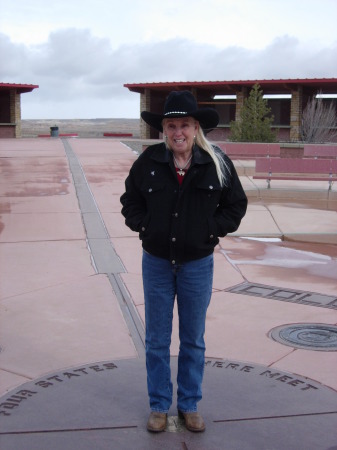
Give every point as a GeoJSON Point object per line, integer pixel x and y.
{"type": "Point", "coordinates": [16, 373]}
{"type": "Point", "coordinates": [271, 214]}
{"type": "Point", "coordinates": [285, 416]}
{"type": "Point", "coordinates": [282, 357]}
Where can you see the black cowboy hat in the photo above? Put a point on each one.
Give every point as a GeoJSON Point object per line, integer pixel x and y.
{"type": "Point", "coordinates": [182, 104]}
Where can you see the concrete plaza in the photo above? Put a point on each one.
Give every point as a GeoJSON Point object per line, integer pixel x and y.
{"type": "Point", "coordinates": [72, 368]}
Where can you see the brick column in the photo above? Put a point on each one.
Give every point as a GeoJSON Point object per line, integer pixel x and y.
{"type": "Point", "coordinates": [240, 98]}
{"type": "Point", "coordinates": [15, 111]}
{"type": "Point", "coordinates": [145, 105]}
{"type": "Point", "coordinates": [296, 114]}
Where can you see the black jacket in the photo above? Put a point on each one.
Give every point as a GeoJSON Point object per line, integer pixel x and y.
{"type": "Point", "coordinates": [181, 223]}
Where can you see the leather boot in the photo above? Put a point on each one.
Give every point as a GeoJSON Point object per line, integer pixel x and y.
{"type": "Point", "coordinates": [157, 422]}
{"type": "Point", "coordinates": [193, 421]}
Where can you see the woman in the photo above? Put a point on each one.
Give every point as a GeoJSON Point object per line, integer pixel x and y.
{"type": "Point", "coordinates": [180, 196]}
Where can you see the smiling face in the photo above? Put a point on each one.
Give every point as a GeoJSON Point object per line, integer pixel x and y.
{"type": "Point", "coordinates": [180, 133]}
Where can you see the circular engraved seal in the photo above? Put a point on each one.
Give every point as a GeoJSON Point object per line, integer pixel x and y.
{"type": "Point", "coordinates": [308, 336]}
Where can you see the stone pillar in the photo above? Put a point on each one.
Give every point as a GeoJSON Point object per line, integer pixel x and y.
{"type": "Point", "coordinates": [15, 111]}
{"type": "Point", "coordinates": [296, 114]}
{"type": "Point", "coordinates": [240, 98]}
{"type": "Point", "coordinates": [145, 105]}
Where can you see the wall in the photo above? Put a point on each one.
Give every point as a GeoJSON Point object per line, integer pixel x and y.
{"type": "Point", "coordinates": [10, 114]}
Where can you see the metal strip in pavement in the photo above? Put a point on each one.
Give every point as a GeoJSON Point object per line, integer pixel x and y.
{"type": "Point", "coordinates": [104, 258]}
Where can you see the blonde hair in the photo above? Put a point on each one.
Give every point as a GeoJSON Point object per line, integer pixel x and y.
{"type": "Point", "coordinates": [222, 168]}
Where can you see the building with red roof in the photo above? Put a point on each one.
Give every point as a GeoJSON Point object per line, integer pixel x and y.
{"type": "Point", "coordinates": [10, 108]}
{"type": "Point", "coordinates": [287, 99]}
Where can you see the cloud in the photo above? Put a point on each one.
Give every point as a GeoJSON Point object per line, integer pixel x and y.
{"type": "Point", "coordinates": [74, 65]}
{"type": "Point", "coordinates": [13, 57]}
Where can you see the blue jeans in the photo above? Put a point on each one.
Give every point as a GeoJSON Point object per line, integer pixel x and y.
{"type": "Point", "coordinates": [192, 283]}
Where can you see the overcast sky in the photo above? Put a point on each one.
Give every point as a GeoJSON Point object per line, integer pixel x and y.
{"type": "Point", "coordinates": [81, 52]}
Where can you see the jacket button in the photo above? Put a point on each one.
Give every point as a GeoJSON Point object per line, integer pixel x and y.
{"type": "Point", "coordinates": [143, 228]}
{"type": "Point", "coordinates": [211, 187]}
{"type": "Point", "coordinates": [173, 261]}
{"type": "Point", "coordinates": [150, 190]}
{"type": "Point", "coordinates": [173, 239]}
{"type": "Point", "coordinates": [175, 214]}
{"type": "Point", "coordinates": [211, 236]}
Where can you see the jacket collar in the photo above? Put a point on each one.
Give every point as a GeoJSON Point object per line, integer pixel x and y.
{"type": "Point", "coordinates": [162, 154]}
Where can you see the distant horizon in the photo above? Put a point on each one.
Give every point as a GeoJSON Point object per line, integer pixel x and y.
{"type": "Point", "coordinates": [84, 128]}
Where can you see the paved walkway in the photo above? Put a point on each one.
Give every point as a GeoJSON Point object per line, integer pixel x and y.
{"type": "Point", "coordinates": [72, 371]}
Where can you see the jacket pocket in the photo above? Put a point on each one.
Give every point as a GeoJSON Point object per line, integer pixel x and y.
{"type": "Point", "coordinates": [144, 227]}
{"type": "Point", "coordinates": [150, 188]}
{"type": "Point", "coordinates": [208, 197]}
{"type": "Point", "coordinates": [212, 232]}
{"type": "Point", "coordinates": [209, 191]}
{"type": "Point", "coordinates": [154, 198]}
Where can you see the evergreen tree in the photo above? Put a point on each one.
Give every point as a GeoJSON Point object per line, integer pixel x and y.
{"type": "Point", "coordinates": [254, 124]}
